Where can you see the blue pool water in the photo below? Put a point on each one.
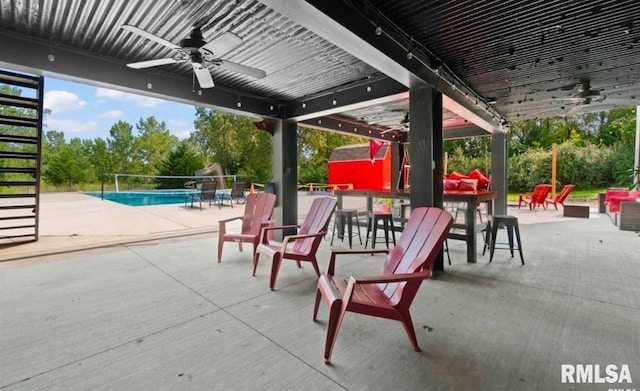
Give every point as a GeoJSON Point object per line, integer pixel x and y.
{"type": "Point", "coordinates": [144, 198]}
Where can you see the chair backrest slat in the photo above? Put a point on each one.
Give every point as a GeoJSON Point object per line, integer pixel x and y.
{"type": "Point", "coordinates": [564, 193]}
{"type": "Point", "coordinates": [208, 190]}
{"type": "Point", "coordinates": [417, 248]}
{"type": "Point", "coordinates": [317, 220]}
{"type": "Point", "coordinates": [258, 209]}
{"type": "Point", "coordinates": [540, 193]}
{"type": "Point", "coordinates": [237, 191]}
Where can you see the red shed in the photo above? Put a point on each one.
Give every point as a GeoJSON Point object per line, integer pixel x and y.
{"type": "Point", "coordinates": [350, 164]}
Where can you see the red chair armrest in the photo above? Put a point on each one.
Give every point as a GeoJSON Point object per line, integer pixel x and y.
{"type": "Point", "coordinates": [421, 275]}
{"type": "Point", "coordinates": [332, 259]}
{"type": "Point", "coordinates": [230, 219]}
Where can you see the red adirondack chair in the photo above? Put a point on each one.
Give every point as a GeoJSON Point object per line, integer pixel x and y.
{"type": "Point", "coordinates": [390, 294]}
{"type": "Point", "coordinates": [560, 197]}
{"type": "Point", "coordinates": [537, 198]}
{"type": "Point", "coordinates": [302, 246]}
{"type": "Point", "coordinates": [257, 214]}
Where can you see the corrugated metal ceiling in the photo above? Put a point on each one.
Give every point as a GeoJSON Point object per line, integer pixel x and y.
{"type": "Point", "coordinates": [305, 64]}
{"type": "Point", "coordinates": [526, 58]}
{"type": "Point", "coordinates": [531, 56]}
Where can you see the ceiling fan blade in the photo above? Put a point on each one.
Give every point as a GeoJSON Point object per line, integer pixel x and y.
{"type": "Point", "coordinates": [575, 110]}
{"type": "Point", "coordinates": [152, 63]}
{"type": "Point", "coordinates": [222, 44]}
{"type": "Point", "coordinates": [203, 75]}
{"type": "Point", "coordinates": [239, 68]}
{"type": "Point", "coordinates": [148, 35]}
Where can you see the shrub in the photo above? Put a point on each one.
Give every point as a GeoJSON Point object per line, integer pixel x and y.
{"type": "Point", "coordinates": [586, 167]}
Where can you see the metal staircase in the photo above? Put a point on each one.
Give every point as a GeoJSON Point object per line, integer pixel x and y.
{"type": "Point", "coordinates": [20, 149]}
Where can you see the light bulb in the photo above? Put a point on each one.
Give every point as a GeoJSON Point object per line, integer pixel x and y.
{"type": "Point", "coordinates": [51, 57]}
{"type": "Point", "coordinates": [378, 30]}
{"type": "Point", "coordinates": [149, 85]}
{"type": "Point", "coordinates": [409, 55]}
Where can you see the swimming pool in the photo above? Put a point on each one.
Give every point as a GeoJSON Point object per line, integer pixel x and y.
{"type": "Point", "coordinates": [145, 198]}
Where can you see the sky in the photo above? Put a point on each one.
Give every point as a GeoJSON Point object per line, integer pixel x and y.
{"type": "Point", "coordinates": [88, 112]}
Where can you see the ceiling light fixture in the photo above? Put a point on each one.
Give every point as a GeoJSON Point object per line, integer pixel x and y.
{"type": "Point", "coordinates": [51, 57]}
{"type": "Point", "coordinates": [239, 104]}
{"type": "Point", "coordinates": [304, 105]}
{"type": "Point", "coordinates": [369, 84]}
{"type": "Point", "coordinates": [409, 55]}
{"type": "Point", "coordinates": [335, 102]}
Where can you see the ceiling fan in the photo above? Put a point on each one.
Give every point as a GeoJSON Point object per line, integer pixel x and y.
{"type": "Point", "coordinates": [199, 53]}
{"type": "Point", "coordinates": [584, 97]}
{"type": "Point", "coordinates": [403, 126]}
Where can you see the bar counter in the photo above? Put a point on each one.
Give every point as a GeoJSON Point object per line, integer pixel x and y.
{"type": "Point", "coordinates": [471, 199]}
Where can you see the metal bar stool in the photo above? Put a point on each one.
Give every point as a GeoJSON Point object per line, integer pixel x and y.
{"type": "Point", "coordinates": [372, 227]}
{"type": "Point", "coordinates": [346, 217]}
{"type": "Point", "coordinates": [511, 225]}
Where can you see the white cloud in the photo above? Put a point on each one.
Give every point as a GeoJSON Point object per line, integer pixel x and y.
{"type": "Point", "coordinates": [183, 134]}
{"type": "Point", "coordinates": [112, 114]}
{"type": "Point", "coordinates": [143, 101]}
{"type": "Point", "coordinates": [179, 123]}
{"type": "Point", "coordinates": [60, 101]}
{"type": "Point", "coordinates": [69, 126]}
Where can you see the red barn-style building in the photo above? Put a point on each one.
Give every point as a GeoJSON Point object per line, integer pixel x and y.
{"type": "Point", "coordinates": [350, 164]}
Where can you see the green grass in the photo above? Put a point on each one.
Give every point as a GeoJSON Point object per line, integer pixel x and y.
{"type": "Point", "coordinates": [575, 194]}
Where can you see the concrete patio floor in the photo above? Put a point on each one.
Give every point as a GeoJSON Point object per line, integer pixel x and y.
{"type": "Point", "coordinates": [155, 311]}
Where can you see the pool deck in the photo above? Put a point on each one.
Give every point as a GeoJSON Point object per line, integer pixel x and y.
{"type": "Point", "coordinates": [141, 304]}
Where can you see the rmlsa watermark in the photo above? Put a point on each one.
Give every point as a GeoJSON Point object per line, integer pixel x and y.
{"type": "Point", "coordinates": [595, 374]}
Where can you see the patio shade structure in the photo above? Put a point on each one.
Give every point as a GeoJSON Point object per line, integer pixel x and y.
{"type": "Point", "coordinates": [361, 67]}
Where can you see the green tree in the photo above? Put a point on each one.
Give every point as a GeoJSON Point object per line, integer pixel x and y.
{"type": "Point", "coordinates": [314, 150]}
{"type": "Point", "coordinates": [181, 161]}
{"type": "Point", "coordinates": [63, 169]}
{"type": "Point", "coordinates": [235, 143]}
{"type": "Point", "coordinates": [100, 159]}
{"type": "Point", "coordinates": [121, 146]}
{"type": "Point", "coordinates": [153, 144]}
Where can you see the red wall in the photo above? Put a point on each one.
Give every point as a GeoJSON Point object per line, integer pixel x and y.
{"type": "Point", "coordinates": [361, 173]}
